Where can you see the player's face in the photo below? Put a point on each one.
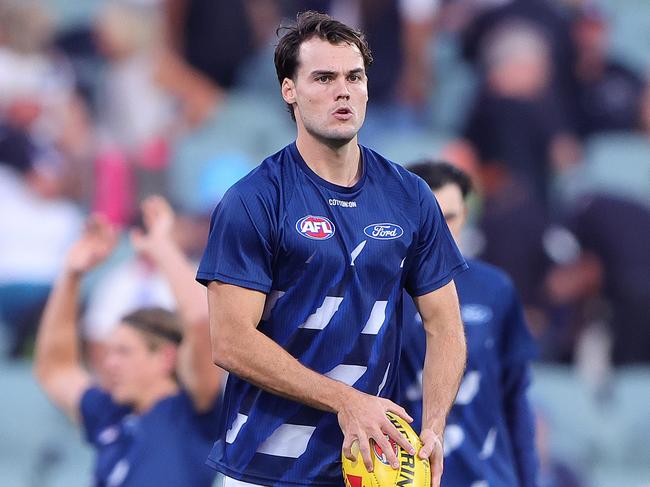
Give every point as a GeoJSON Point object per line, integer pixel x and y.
{"type": "Point", "coordinates": [450, 199]}
{"type": "Point", "coordinates": [131, 367]}
{"type": "Point", "coordinates": [330, 91]}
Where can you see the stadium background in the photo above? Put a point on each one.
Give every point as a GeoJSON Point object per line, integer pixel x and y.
{"type": "Point", "coordinates": [104, 102]}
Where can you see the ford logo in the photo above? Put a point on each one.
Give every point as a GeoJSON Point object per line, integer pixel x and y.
{"type": "Point", "coordinates": [383, 231]}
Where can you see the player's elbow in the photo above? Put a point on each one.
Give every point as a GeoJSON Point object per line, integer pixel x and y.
{"type": "Point", "coordinates": [43, 367]}
{"type": "Point", "coordinates": [45, 375]}
{"type": "Point", "coordinates": [222, 353]}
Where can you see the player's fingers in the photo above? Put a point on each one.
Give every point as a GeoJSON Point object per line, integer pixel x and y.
{"type": "Point", "coordinates": [398, 437]}
{"type": "Point", "coordinates": [386, 447]}
{"type": "Point", "coordinates": [364, 449]}
{"type": "Point", "coordinates": [426, 449]}
{"type": "Point", "coordinates": [399, 410]}
{"type": "Point", "coordinates": [103, 232]}
{"type": "Point", "coordinates": [436, 466]}
{"type": "Point", "coordinates": [430, 444]}
{"type": "Point", "coordinates": [348, 441]}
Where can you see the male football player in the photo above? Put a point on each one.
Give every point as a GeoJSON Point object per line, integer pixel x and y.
{"type": "Point", "coordinates": [489, 439]}
{"type": "Point", "coordinates": [306, 262]}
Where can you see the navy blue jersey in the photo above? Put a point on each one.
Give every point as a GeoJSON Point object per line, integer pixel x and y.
{"type": "Point", "coordinates": [333, 262]}
{"type": "Point", "coordinates": [166, 445]}
{"type": "Point", "coordinates": [489, 439]}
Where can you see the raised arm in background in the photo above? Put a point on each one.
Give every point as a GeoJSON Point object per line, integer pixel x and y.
{"type": "Point", "coordinates": [197, 373]}
{"type": "Point", "coordinates": [57, 364]}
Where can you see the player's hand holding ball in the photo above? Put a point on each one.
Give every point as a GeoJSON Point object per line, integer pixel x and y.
{"type": "Point", "coordinates": [412, 469]}
{"type": "Point", "coordinates": [432, 450]}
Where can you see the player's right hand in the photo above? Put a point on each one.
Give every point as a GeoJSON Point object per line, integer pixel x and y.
{"type": "Point", "coordinates": [93, 246]}
{"type": "Point", "coordinates": [362, 418]}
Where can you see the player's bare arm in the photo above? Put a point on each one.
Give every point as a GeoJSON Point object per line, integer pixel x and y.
{"type": "Point", "coordinates": [199, 376]}
{"type": "Point", "coordinates": [57, 361]}
{"type": "Point", "coordinates": [240, 348]}
{"type": "Point", "coordinates": [443, 369]}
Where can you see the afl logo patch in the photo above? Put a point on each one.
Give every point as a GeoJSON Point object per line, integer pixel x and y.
{"type": "Point", "coordinates": [315, 227]}
{"type": "Point", "coordinates": [383, 231]}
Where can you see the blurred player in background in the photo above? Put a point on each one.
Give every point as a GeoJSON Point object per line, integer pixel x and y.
{"type": "Point", "coordinates": [306, 263]}
{"type": "Point", "coordinates": [489, 438]}
{"type": "Point", "coordinates": [154, 422]}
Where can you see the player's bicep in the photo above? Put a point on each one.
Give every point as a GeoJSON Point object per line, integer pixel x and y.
{"type": "Point", "coordinates": [65, 389]}
{"type": "Point", "coordinates": [234, 312]}
{"type": "Point", "coordinates": [439, 309]}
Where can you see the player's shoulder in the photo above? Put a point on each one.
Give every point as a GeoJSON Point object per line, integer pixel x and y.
{"type": "Point", "coordinates": [392, 172]}
{"type": "Point", "coordinates": [489, 274]}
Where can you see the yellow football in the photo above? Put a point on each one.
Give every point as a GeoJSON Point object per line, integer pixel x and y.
{"type": "Point", "coordinates": [412, 471]}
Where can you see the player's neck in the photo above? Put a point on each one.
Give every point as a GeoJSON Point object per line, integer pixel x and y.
{"type": "Point", "coordinates": [154, 394]}
{"type": "Point", "coordinates": [340, 165]}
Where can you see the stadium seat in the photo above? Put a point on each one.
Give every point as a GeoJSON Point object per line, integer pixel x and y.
{"type": "Point", "coordinates": [455, 84]}
{"type": "Point", "coordinates": [245, 128]}
{"type": "Point", "coordinates": [630, 31]}
{"type": "Point", "coordinates": [605, 433]}
{"type": "Point", "coordinates": [38, 445]}
{"type": "Point", "coordinates": [614, 163]}
{"type": "Point", "coordinates": [407, 147]}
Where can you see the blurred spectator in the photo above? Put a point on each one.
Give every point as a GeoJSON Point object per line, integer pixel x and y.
{"type": "Point", "coordinates": [614, 263]}
{"type": "Point", "coordinates": [607, 93]}
{"type": "Point", "coordinates": [549, 19]}
{"type": "Point", "coordinates": [37, 95]}
{"type": "Point", "coordinates": [644, 117]}
{"type": "Point", "coordinates": [36, 226]}
{"type": "Point", "coordinates": [36, 83]}
{"type": "Point", "coordinates": [208, 43]}
{"type": "Point", "coordinates": [135, 114]}
{"type": "Point", "coordinates": [213, 36]}
{"type": "Point", "coordinates": [520, 137]}
{"type": "Point", "coordinates": [517, 121]}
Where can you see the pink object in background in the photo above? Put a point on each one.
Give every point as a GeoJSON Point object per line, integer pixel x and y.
{"type": "Point", "coordinates": [154, 154]}
{"type": "Point", "coordinates": [114, 187]}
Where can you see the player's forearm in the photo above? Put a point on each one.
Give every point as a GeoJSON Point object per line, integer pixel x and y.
{"type": "Point", "coordinates": [256, 358]}
{"type": "Point", "coordinates": [57, 339]}
{"type": "Point", "coordinates": [443, 369]}
{"type": "Point", "coordinates": [180, 273]}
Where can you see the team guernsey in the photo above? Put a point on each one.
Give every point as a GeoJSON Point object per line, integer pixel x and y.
{"type": "Point", "coordinates": [489, 439]}
{"type": "Point", "coordinates": [164, 446]}
{"type": "Point", "coordinates": [333, 262]}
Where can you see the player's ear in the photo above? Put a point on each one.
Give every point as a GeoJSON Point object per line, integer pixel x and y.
{"type": "Point", "coordinates": [288, 91]}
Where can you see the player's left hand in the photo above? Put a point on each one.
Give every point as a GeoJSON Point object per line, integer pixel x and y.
{"type": "Point", "coordinates": [432, 448]}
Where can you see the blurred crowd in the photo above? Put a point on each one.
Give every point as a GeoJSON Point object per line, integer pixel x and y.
{"type": "Point", "coordinates": [179, 98]}
{"type": "Point", "coordinates": [545, 103]}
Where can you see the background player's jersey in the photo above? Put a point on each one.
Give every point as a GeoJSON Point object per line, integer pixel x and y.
{"type": "Point", "coordinates": [333, 262]}
{"type": "Point", "coordinates": [163, 446]}
{"type": "Point", "coordinates": [489, 439]}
